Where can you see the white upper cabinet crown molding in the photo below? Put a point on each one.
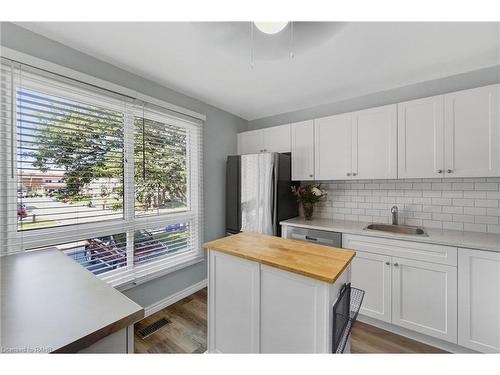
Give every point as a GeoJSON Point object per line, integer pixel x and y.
{"type": "Point", "coordinates": [472, 132]}
{"type": "Point", "coordinates": [303, 150]}
{"type": "Point", "coordinates": [374, 143]}
{"type": "Point", "coordinates": [421, 138]}
{"type": "Point", "coordinates": [332, 147]}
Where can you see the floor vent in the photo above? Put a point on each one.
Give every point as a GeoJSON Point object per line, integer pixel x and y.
{"type": "Point", "coordinates": [153, 327]}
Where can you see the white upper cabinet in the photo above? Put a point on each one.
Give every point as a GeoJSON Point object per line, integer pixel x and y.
{"type": "Point", "coordinates": [451, 135]}
{"type": "Point", "coordinates": [332, 147]}
{"type": "Point", "coordinates": [303, 150]}
{"type": "Point", "coordinates": [277, 138]}
{"type": "Point", "coordinates": [472, 132]}
{"type": "Point", "coordinates": [479, 300]}
{"type": "Point", "coordinates": [273, 139]}
{"type": "Point", "coordinates": [420, 138]}
{"type": "Point", "coordinates": [250, 142]}
{"type": "Point", "coordinates": [374, 143]}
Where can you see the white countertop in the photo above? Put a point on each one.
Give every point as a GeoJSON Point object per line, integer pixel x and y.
{"type": "Point", "coordinates": [470, 240]}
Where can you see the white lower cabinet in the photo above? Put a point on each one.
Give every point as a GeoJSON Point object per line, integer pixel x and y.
{"type": "Point", "coordinates": [418, 294]}
{"type": "Point", "coordinates": [294, 313]}
{"type": "Point", "coordinates": [372, 273]}
{"type": "Point", "coordinates": [425, 298]}
{"type": "Point", "coordinates": [234, 295]}
{"type": "Point", "coordinates": [479, 300]}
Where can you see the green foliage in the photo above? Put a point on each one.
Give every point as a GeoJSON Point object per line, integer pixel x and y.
{"type": "Point", "coordinates": [160, 164]}
{"type": "Point", "coordinates": [88, 145]}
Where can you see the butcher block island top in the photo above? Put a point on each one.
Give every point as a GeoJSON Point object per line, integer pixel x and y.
{"type": "Point", "coordinates": [319, 262]}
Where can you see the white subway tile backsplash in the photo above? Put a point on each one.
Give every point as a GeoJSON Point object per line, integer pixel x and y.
{"type": "Point", "coordinates": [454, 203]}
{"type": "Point", "coordinates": [463, 186]}
{"type": "Point", "coordinates": [493, 211]}
{"type": "Point", "coordinates": [492, 203]}
{"type": "Point", "coordinates": [486, 186]}
{"type": "Point", "coordinates": [443, 217]}
{"type": "Point", "coordinates": [453, 209]}
{"type": "Point", "coordinates": [475, 227]}
{"type": "Point", "coordinates": [494, 229]}
{"type": "Point", "coordinates": [493, 194]}
{"type": "Point", "coordinates": [475, 194]}
{"type": "Point", "coordinates": [475, 211]}
{"type": "Point", "coordinates": [465, 202]}
{"type": "Point", "coordinates": [453, 225]}
{"type": "Point", "coordinates": [441, 201]}
{"type": "Point", "coordinates": [486, 219]}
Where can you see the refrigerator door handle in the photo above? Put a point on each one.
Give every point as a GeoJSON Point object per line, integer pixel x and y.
{"type": "Point", "coordinates": [275, 194]}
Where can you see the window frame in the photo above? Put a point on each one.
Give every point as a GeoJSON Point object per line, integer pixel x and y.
{"type": "Point", "coordinates": [131, 274]}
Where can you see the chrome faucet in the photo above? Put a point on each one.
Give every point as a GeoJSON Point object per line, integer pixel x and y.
{"type": "Point", "coordinates": [394, 212]}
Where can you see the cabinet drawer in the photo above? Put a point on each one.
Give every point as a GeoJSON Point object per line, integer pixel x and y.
{"type": "Point", "coordinates": [403, 249]}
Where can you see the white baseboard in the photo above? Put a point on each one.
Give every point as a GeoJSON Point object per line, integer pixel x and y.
{"type": "Point", "coordinates": [151, 309]}
{"type": "Point", "coordinates": [438, 343]}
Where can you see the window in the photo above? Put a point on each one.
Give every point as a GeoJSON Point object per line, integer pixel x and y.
{"type": "Point", "coordinates": [69, 159]}
{"type": "Point", "coordinates": [160, 167]}
{"type": "Point", "coordinates": [113, 182]}
{"type": "Point", "coordinates": [98, 255]}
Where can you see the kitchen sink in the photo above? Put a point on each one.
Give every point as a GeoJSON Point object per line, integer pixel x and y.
{"type": "Point", "coordinates": [399, 229]}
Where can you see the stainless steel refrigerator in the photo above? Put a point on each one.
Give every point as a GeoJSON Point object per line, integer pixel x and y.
{"type": "Point", "coordinates": [258, 194]}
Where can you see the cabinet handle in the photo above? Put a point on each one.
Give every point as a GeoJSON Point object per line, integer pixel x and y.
{"type": "Point", "coordinates": [354, 174]}
{"type": "Point", "coordinates": [348, 174]}
{"type": "Point", "coordinates": [310, 175]}
{"type": "Point", "coordinates": [387, 263]}
{"type": "Point", "coordinates": [439, 171]}
{"type": "Point", "coordinates": [396, 264]}
{"type": "Point", "coordinates": [449, 170]}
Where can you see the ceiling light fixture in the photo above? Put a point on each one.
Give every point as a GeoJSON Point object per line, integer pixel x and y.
{"type": "Point", "coordinates": [270, 27]}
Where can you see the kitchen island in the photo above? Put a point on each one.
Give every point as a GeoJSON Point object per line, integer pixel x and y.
{"type": "Point", "coordinates": [272, 295]}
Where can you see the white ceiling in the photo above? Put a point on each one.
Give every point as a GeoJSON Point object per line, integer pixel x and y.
{"type": "Point", "coordinates": [332, 61]}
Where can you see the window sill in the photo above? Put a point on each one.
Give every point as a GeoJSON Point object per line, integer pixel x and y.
{"type": "Point", "coordinates": [170, 268]}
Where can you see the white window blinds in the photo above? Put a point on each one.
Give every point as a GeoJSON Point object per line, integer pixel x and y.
{"type": "Point", "coordinates": [113, 182]}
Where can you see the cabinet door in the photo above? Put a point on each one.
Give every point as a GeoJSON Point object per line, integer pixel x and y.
{"type": "Point", "coordinates": [479, 300]}
{"type": "Point", "coordinates": [332, 147]}
{"type": "Point", "coordinates": [420, 138]}
{"type": "Point", "coordinates": [372, 273]}
{"type": "Point", "coordinates": [250, 142]}
{"type": "Point", "coordinates": [303, 150]}
{"type": "Point", "coordinates": [472, 132]}
{"type": "Point", "coordinates": [233, 307]}
{"type": "Point", "coordinates": [293, 313]}
{"type": "Point", "coordinates": [374, 143]}
{"type": "Point", "coordinates": [424, 298]}
{"type": "Point", "coordinates": [277, 138]}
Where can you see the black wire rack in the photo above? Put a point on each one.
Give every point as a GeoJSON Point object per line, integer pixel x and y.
{"type": "Point", "coordinates": [357, 296]}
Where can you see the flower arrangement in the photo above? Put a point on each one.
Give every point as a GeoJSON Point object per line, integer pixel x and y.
{"type": "Point", "coordinates": [308, 195]}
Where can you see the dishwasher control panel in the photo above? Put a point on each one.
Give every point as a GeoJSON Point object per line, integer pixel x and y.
{"type": "Point", "coordinates": [320, 237]}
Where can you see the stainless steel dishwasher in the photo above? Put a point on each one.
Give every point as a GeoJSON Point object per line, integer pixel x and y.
{"type": "Point", "coordinates": [320, 237]}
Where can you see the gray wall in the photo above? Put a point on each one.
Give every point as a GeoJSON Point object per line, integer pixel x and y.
{"type": "Point", "coordinates": [457, 82]}
{"type": "Point", "coordinates": [219, 136]}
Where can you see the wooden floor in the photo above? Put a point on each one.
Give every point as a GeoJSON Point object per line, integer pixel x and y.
{"type": "Point", "coordinates": [369, 339]}
{"type": "Point", "coordinates": [186, 332]}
